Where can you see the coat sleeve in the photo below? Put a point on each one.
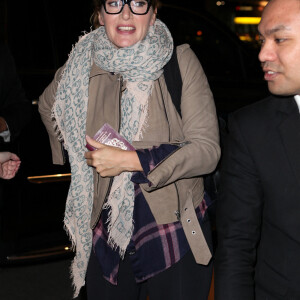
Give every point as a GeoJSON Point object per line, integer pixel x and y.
{"type": "Point", "coordinates": [46, 102]}
{"type": "Point", "coordinates": [15, 108]}
{"type": "Point", "coordinates": [201, 152]}
{"type": "Point", "coordinates": [239, 212]}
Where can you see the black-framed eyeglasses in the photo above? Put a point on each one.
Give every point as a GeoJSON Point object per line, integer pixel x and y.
{"type": "Point", "coordinates": [137, 7]}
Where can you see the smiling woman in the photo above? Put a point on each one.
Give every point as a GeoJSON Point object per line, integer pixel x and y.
{"type": "Point", "coordinates": [121, 28]}
{"type": "Point", "coordinates": [115, 7]}
{"type": "Point", "coordinates": [137, 217]}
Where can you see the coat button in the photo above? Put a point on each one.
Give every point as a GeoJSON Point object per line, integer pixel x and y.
{"type": "Point", "coordinates": [188, 220]}
{"type": "Point", "coordinates": [193, 232]}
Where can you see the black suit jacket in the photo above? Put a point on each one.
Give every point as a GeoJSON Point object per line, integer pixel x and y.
{"type": "Point", "coordinates": [258, 214]}
{"type": "Point", "coordinates": [14, 106]}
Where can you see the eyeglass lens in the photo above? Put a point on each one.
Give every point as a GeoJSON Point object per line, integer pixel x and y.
{"type": "Point", "coordinates": [137, 6]}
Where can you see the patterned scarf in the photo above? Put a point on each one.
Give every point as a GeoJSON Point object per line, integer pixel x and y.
{"type": "Point", "coordinates": [139, 65]}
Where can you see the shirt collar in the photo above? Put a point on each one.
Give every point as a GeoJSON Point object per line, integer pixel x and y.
{"type": "Point", "coordinates": [297, 98]}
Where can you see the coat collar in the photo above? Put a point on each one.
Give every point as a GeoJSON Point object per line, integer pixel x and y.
{"type": "Point", "coordinates": [289, 130]}
{"type": "Point", "coordinates": [95, 70]}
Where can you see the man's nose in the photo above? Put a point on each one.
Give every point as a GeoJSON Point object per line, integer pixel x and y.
{"type": "Point", "coordinates": [267, 52]}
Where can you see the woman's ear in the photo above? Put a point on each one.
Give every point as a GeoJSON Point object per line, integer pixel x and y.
{"type": "Point", "coordinates": [100, 18]}
{"type": "Point", "coordinates": [153, 18]}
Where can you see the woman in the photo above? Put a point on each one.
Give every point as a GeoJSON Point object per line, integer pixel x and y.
{"type": "Point", "coordinates": [143, 206]}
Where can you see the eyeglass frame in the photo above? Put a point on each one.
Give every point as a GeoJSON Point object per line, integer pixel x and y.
{"type": "Point", "coordinates": [124, 2]}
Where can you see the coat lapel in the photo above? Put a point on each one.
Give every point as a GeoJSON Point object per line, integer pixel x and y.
{"type": "Point", "coordinates": [289, 129]}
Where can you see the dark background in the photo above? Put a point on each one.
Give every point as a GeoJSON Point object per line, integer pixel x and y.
{"type": "Point", "coordinates": [40, 35]}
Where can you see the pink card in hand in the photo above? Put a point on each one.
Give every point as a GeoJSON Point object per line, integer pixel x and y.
{"type": "Point", "coordinates": [108, 136]}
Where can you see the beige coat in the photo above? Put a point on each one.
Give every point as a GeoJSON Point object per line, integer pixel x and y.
{"type": "Point", "coordinates": [176, 182]}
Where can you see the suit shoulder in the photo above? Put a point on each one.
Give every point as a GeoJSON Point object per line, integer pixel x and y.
{"type": "Point", "coordinates": [257, 112]}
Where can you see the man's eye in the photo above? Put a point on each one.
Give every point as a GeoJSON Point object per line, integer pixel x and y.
{"type": "Point", "coordinates": [279, 40]}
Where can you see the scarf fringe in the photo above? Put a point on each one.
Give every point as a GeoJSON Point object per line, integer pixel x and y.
{"type": "Point", "coordinates": [75, 277]}
{"type": "Point", "coordinates": [111, 241]}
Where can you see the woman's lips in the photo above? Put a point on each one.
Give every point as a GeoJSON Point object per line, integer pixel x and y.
{"type": "Point", "coordinates": [126, 29]}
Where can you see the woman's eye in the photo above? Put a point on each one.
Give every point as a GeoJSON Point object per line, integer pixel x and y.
{"type": "Point", "coordinates": [113, 3]}
{"type": "Point", "coordinates": [139, 3]}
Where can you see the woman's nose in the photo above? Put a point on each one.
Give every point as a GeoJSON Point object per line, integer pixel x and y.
{"type": "Point", "coordinates": [126, 12]}
{"type": "Point", "coordinates": [267, 52]}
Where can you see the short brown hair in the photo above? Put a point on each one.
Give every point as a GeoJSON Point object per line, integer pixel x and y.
{"type": "Point", "coordinates": [98, 5]}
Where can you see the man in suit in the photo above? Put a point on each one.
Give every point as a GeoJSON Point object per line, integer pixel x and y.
{"type": "Point", "coordinates": [258, 214]}
{"type": "Point", "coordinates": [15, 109]}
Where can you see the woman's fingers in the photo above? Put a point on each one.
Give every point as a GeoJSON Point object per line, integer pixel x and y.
{"type": "Point", "coordinates": [92, 142]}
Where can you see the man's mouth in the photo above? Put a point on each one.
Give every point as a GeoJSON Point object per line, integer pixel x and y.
{"type": "Point", "coordinates": [270, 75]}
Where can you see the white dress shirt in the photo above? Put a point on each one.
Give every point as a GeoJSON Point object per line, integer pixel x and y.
{"type": "Point", "coordinates": [297, 98]}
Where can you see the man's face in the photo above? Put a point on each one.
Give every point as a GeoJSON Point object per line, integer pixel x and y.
{"type": "Point", "coordinates": [280, 51]}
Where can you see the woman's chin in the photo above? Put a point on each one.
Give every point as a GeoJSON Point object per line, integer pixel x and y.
{"type": "Point", "coordinates": [125, 43]}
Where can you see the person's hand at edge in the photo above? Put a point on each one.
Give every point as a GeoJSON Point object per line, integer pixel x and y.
{"type": "Point", "coordinates": [9, 165]}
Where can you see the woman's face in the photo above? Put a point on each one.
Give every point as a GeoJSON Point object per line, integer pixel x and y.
{"type": "Point", "coordinates": [126, 29]}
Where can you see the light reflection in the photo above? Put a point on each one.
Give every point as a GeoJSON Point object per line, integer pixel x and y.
{"type": "Point", "coordinates": [220, 3]}
{"type": "Point", "coordinates": [263, 3]}
{"type": "Point", "coordinates": [49, 178]}
{"type": "Point", "coordinates": [244, 8]}
{"type": "Point", "coordinates": [247, 20]}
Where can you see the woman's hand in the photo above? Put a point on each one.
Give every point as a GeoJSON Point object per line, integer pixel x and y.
{"type": "Point", "coordinates": [9, 165]}
{"type": "Point", "coordinates": [111, 161]}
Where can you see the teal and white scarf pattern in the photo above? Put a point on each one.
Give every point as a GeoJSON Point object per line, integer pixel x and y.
{"type": "Point", "coordinates": [139, 65]}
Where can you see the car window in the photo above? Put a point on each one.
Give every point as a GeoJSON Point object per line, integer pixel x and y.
{"type": "Point", "coordinates": [40, 35]}
{"type": "Point", "coordinates": [218, 50]}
